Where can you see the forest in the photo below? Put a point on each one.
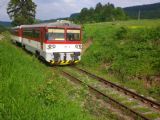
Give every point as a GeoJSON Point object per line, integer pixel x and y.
{"type": "Point", "coordinates": [108, 12]}
{"type": "Point", "coordinates": [100, 13]}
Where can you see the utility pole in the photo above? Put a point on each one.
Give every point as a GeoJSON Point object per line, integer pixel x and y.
{"type": "Point", "coordinates": [139, 14]}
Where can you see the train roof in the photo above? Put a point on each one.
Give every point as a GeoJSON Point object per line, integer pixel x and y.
{"type": "Point", "coordinates": [61, 23]}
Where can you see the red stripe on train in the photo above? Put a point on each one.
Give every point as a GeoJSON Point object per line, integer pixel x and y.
{"type": "Point", "coordinates": [52, 42]}
{"type": "Point", "coordinates": [62, 42]}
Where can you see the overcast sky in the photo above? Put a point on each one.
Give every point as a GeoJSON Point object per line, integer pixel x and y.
{"type": "Point", "coordinates": [50, 9]}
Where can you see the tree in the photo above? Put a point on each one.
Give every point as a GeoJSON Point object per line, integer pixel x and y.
{"type": "Point", "coordinates": [91, 17]}
{"type": "Point", "coordinates": [97, 13]}
{"type": "Point", "coordinates": [83, 15]}
{"type": "Point", "coordinates": [99, 7]}
{"type": "Point", "coordinates": [119, 14]}
{"type": "Point", "coordinates": [21, 12]}
{"type": "Point", "coordinates": [108, 12]}
{"type": "Point", "coordinates": [101, 13]}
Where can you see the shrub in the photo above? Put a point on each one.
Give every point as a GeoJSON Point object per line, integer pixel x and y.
{"type": "Point", "coordinates": [121, 33]}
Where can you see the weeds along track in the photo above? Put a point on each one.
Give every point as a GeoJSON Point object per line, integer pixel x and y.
{"type": "Point", "coordinates": [128, 101]}
{"type": "Point", "coordinates": [122, 89]}
{"type": "Point", "coordinates": [101, 94]}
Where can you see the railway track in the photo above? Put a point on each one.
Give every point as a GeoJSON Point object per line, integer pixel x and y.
{"type": "Point", "coordinates": [98, 94]}
{"type": "Point", "coordinates": [144, 108]}
{"type": "Point", "coordinates": [134, 95]}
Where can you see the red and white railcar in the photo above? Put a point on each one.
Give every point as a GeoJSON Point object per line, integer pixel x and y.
{"type": "Point", "coordinates": [57, 43]}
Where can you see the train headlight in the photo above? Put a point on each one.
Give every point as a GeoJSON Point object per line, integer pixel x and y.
{"type": "Point", "coordinates": [51, 46]}
{"type": "Point", "coordinates": [78, 46]}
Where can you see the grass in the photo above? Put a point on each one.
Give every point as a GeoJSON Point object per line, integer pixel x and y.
{"type": "Point", "coordinates": [127, 51]}
{"type": "Point", "coordinates": [130, 103]}
{"type": "Point", "coordinates": [108, 91]}
{"type": "Point", "coordinates": [153, 116]}
{"type": "Point", "coordinates": [92, 105]}
{"type": "Point", "coordinates": [142, 109]}
{"type": "Point", "coordinates": [30, 90]}
{"type": "Point", "coordinates": [2, 29]}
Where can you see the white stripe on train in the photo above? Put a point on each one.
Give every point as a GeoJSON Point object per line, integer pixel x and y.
{"type": "Point", "coordinates": [66, 50]}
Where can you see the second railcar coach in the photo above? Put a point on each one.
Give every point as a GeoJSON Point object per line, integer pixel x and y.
{"type": "Point", "coordinates": [57, 43]}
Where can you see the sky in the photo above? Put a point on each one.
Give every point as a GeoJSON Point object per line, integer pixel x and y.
{"type": "Point", "coordinates": [51, 9]}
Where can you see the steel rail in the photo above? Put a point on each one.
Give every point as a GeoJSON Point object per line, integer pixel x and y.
{"type": "Point", "coordinates": [122, 89]}
{"type": "Point", "coordinates": [92, 89]}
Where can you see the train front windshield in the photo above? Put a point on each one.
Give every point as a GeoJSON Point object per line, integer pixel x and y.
{"type": "Point", "coordinates": [55, 34]}
{"type": "Point", "coordinates": [59, 35]}
{"type": "Point", "coordinates": [73, 35]}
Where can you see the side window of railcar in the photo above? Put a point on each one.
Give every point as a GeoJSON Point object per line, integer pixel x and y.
{"type": "Point", "coordinates": [73, 35]}
{"type": "Point", "coordinates": [27, 33]}
{"type": "Point", "coordinates": [15, 32]}
{"type": "Point", "coordinates": [55, 34]}
{"type": "Point", "coordinates": [31, 33]}
{"type": "Point", "coordinates": [35, 33]}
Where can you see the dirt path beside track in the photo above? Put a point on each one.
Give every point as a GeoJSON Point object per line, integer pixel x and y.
{"type": "Point", "coordinates": [86, 45]}
{"type": "Point", "coordinates": [1, 37]}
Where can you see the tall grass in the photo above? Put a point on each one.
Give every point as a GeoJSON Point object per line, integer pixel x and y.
{"type": "Point", "coordinates": [31, 91]}
{"type": "Point", "coordinates": [124, 46]}
{"type": "Point", "coordinates": [130, 49]}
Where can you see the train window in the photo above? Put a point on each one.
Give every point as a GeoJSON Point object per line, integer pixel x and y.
{"type": "Point", "coordinates": [35, 33]}
{"type": "Point", "coordinates": [73, 35]}
{"type": "Point", "coordinates": [55, 34]}
{"type": "Point", "coordinates": [31, 33]}
{"type": "Point", "coordinates": [27, 33]}
{"type": "Point", "coordinates": [15, 32]}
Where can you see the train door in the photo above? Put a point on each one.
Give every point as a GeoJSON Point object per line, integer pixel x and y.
{"type": "Point", "coordinates": [41, 38]}
{"type": "Point", "coordinates": [20, 35]}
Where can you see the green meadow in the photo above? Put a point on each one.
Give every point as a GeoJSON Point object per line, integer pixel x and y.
{"type": "Point", "coordinates": [126, 52]}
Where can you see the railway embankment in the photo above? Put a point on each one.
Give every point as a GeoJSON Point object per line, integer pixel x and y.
{"type": "Point", "coordinates": [1, 36]}
{"type": "Point", "coordinates": [126, 53]}
{"type": "Point", "coordinates": [30, 90]}
{"type": "Point", "coordinates": [131, 103]}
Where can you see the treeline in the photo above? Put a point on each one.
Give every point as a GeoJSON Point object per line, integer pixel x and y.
{"type": "Point", "coordinates": [100, 13]}
{"type": "Point", "coordinates": [2, 29]}
{"type": "Point", "coordinates": [151, 11]}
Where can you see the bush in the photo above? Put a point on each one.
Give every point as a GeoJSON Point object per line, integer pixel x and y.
{"type": "Point", "coordinates": [132, 52]}
{"type": "Point", "coordinates": [129, 52]}
{"type": "Point", "coordinates": [121, 33]}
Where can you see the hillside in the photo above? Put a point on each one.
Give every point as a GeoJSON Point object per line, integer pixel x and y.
{"type": "Point", "coordinates": [6, 24]}
{"type": "Point", "coordinates": [30, 90]}
{"type": "Point", "coordinates": [128, 50]}
{"type": "Point", "coordinates": [151, 11]}
{"type": "Point", "coordinates": [2, 28]}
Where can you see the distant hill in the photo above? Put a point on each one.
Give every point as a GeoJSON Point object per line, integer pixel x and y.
{"type": "Point", "coordinates": [151, 11]}
{"type": "Point", "coordinates": [74, 15]}
{"type": "Point", "coordinates": [6, 24]}
{"type": "Point", "coordinates": [2, 28]}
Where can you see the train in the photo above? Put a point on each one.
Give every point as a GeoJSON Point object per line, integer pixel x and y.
{"type": "Point", "coordinates": [58, 43]}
